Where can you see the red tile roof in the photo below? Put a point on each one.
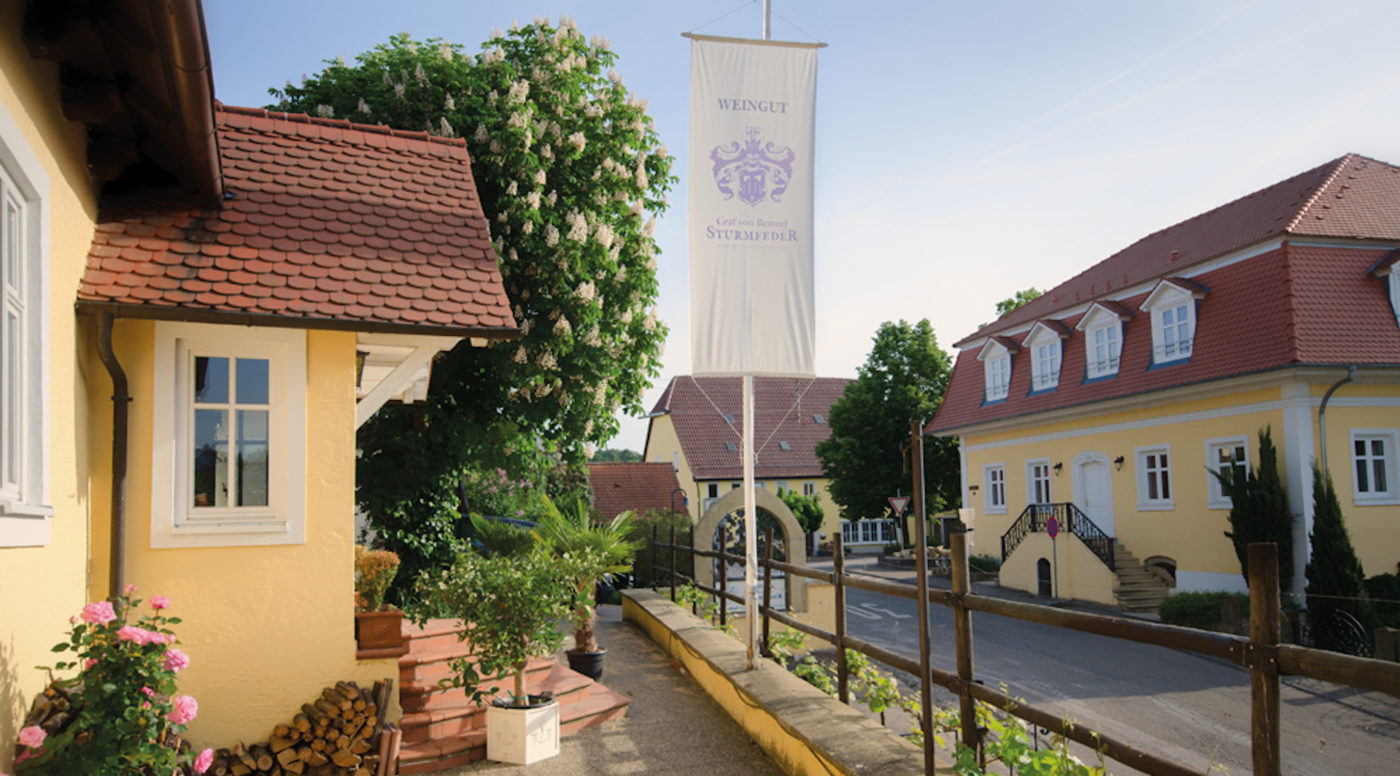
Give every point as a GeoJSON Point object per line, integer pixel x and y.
{"type": "Point", "coordinates": [1352, 196]}
{"type": "Point", "coordinates": [1298, 304]}
{"type": "Point", "coordinates": [785, 411]}
{"type": "Point", "coordinates": [325, 224]}
{"type": "Point", "coordinates": [618, 487]}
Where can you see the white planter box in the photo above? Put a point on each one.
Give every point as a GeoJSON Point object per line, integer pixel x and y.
{"type": "Point", "coordinates": [522, 735]}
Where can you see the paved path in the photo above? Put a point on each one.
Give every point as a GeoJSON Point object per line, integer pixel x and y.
{"type": "Point", "coordinates": [672, 726]}
{"type": "Point", "coordinates": [1188, 708]}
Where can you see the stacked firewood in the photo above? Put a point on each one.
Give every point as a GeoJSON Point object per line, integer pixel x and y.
{"type": "Point", "coordinates": [337, 734]}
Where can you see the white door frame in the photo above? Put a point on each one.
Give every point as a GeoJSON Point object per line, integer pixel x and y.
{"type": "Point", "coordinates": [1078, 484]}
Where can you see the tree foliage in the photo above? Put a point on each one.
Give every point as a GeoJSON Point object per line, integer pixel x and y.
{"type": "Point", "coordinates": [902, 380]}
{"type": "Point", "coordinates": [617, 456]}
{"type": "Point", "coordinates": [1334, 572]}
{"type": "Point", "coordinates": [1020, 298]}
{"type": "Point", "coordinates": [807, 509]}
{"type": "Point", "coordinates": [1259, 509]}
{"type": "Point", "coordinates": [569, 170]}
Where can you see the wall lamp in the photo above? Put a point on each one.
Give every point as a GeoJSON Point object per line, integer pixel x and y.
{"type": "Point", "coordinates": [1118, 463]}
{"type": "Point", "coordinates": [1057, 467]}
{"type": "Point", "coordinates": [972, 488]}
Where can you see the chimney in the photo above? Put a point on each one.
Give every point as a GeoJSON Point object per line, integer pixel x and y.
{"type": "Point", "coordinates": [1175, 255]}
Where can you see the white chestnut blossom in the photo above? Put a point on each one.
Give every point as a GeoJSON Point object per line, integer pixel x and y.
{"type": "Point", "coordinates": [551, 235]}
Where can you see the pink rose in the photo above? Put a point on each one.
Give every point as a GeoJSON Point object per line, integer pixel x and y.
{"type": "Point", "coordinates": [132, 633]}
{"type": "Point", "coordinates": [32, 736]}
{"type": "Point", "coordinates": [99, 613]}
{"type": "Point", "coordinates": [130, 588]}
{"type": "Point", "coordinates": [184, 711]}
{"type": "Point", "coordinates": [149, 692]}
{"type": "Point", "coordinates": [203, 761]}
{"type": "Point", "coordinates": [176, 659]}
{"type": "Point", "coordinates": [159, 602]}
{"type": "Point", "coordinates": [92, 661]}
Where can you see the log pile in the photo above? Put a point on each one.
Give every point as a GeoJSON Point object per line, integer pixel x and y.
{"type": "Point", "coordinates": [336, 734]}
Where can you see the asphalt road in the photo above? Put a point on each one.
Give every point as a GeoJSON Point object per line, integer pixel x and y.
{"type": "Point", "coordinates": [1186, 708]}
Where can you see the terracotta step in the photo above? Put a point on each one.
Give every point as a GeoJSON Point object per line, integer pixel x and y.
{"type": "Point", "coordinates": [424, 694]}
{"type": "Point", "coordinates": [447, 719]}
{"type": "Point", "coordinates": [432, 635]}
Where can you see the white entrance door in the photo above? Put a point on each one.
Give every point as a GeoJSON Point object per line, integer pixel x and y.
{"type": "Point", "coordinates": [1096, 494]}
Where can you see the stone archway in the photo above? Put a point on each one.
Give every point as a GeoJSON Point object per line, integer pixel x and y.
{"type": "Point", "coordinates": [793, 539]}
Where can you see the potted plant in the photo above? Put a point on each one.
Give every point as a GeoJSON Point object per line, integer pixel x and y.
{"type": "Point", "coordinates": [512, 605]}
{"type": "Point", "coordinates": [598, 550]}
{"type": "Point", "coordinates": [377, 625]}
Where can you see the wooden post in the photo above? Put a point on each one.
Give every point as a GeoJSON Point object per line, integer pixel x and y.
{"type": "Point", "coordinates": [767, 584]}
{"type": "Point", "coordinates": [962, 629]}
{"type": "Point", "coordinates": [655, 531]}
{"type": "Point", "coordinates": [916, 466]}
{"type": "Point", "coordinates": [722, 584]}
{"type": "Point", "coordinates": [1264, 616]}
{"type": "Point", "coordinates": [672, 575]}
{"type": "Point", "coordinates": [690, 543]}
{"type": "Point", "coordinates": [843, 671]}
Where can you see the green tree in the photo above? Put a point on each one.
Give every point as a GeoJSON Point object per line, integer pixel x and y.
{"type": "Point", "coordinates": [902, 380]}
{"type": "Point", "coordinates": [570, 171]}
{"type": "Point", "coordinates": [1259, 508]}
{"type": "Point", "coordinates": [1011, 303]}
{"type": "Point", "coordinates": [1334, 572]}
{"type": "Point", "coordinates": [807, 509]}
{"type": "Point", "coordinates": [617, 456]}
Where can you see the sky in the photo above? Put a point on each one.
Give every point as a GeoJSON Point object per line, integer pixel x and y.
{"type": "Point", "coordinates": [964, 150]}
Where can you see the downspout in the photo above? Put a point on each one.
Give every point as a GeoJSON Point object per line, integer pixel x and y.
{"type": "Point", "coordinates": [121, 398]}
{"type": "Point", "coordinates": [1322, 412]}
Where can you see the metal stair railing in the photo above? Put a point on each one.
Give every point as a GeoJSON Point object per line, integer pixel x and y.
{"type": "Point", "coordinates": [1033, 519]}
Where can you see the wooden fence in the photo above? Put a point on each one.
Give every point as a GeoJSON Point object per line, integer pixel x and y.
{"type": "Point", "coordinates": [1261, 653]}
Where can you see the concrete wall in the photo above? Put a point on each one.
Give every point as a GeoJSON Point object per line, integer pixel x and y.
{"type": "Point", "coordinates": [42, 586]}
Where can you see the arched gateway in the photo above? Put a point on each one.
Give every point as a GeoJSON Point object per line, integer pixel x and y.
{"type": "Point", "coordinates": [733, 501]}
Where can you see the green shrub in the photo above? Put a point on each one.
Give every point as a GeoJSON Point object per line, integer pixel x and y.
{"type": "Point", "coordinates": [663, 519]}
{"type": "Point", "coordinates": [1384, 592]}
{"type": "Point", "coordinates": [985, 563]}
{"type": "Point", "coordinates": [1198, 609]}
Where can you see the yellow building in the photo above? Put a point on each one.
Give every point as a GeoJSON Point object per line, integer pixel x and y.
{"type": "Point", "coordinates": [249, 287]}
{"type": "Point", "coordinates": [697, 427]}
{"type": "Point", "coordinates": [1108, 401]}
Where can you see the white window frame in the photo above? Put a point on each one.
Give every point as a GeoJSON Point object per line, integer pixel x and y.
{"type": "Point", "coordinates": [1104, 364]}
{"type": "Point", "coordinates": [1372, 497]}
{"type": "Point", "coordinates": [994, 485]}
{"type": "Point", "coordinates": [1038, 475]}
{"type": "Point", "coordinates": [809, 488]}
{"type": "Point", "coordinates": [1163, 476]}
{"type": "Point", "coordinates": [1167, 304]}
{"type": "Point", "coordinates": [25, 510]}
{"type": "Point", "coordinates": [1047, 354]}
{"type": "Point", "coordinates": [996, 371]}
{"type": "Point", "coordinates": [1215, 496]}
{"type": "Point", "coordinates": [174, 521]}
{"type": "Point", "coordinates": [1393, 279]}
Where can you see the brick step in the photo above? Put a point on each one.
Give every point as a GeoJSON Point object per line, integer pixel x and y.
{"type": "Point", "coordinates": [457, 736]}
{"type": "Point", "coordinates": [432, 635]}
{"type": "Point", "coordinates": [424, 694]}
{"type": "Point", "coordinates": [431, 663]}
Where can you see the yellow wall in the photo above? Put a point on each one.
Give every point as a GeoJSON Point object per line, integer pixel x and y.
{"type": "Point", "coordinates": [41, 587]}
{"type": "Point", "coordinates": [1078, 572]}
{"type": "Point", "coordinates": [1374, 529]}
{"type": "Point", "coordinates": [265, 627]}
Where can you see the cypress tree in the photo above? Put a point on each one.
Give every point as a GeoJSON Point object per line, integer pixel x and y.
{"type": "Point", "coordinates": [1334, 573]}
{"type": "Point", "coordinates": [1259, 509]}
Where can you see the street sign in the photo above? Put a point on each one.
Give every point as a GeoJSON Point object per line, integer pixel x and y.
{"type": "Point", "coordinates": [1052, 527]}
{"type": "Point", "coordinates": [899, 503]}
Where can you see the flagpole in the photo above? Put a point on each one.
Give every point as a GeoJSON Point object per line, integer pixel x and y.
{"type": "Point", "coordinates": [750, 528]}
{"type": "Point", "coordinates": [767, 19]}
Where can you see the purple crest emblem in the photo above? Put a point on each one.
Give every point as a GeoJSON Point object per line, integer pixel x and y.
{"type": "Point", "coordinates": [757, 170]}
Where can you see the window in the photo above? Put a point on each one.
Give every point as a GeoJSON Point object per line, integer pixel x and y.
{"type": "Point", "coordinates": [994, 477]}
{"type": "Point", "coordinates": [818, 419]}
{"type": "Point", "coordinates": [24, 337]}
{"type": "Point", "coordinates": [712, 490]}
{"type": "Point", "coordinates": [1044, 345]}
{"type": "Point", "coordinates": [784, 446]}
{"type": "Point", "coordinates": [1373, 456]}
{"type": "Point", "coordinates": [731, 447]}
{"type": "Point", "coordinates": [234, 413]}
{"type": "Point", "coordinates": [1105, 347]}
{"type": "Point", "coordinates": [1038, 482]}
{"type": "Point", "coordinates": [781, 485]}
{"type": "Point", "coordinates": [1393, 283]}
{"type": "Point", "coordinates": [1173, 307]}
{"type": "Point", "coordinates": [1174, 328]}
{"type": "Point", "coordinates": [809, 488]}
{"type": "Point", "coordinates": [1224, 455]}
{"type": "Point", "coordinates": [867, 531]}
{"type": "Point", "coordinates": [1154, 478]}
{"type": "Point", "coordinates": [998, 376]}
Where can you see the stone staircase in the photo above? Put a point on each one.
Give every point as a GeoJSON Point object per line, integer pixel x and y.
{"type": "Point", "coordinates": [1139, 590]}
{"type": "Point", "coordinates": [444, 729]}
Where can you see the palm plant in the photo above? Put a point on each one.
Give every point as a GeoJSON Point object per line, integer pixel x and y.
{"type": "Point", "coordinates": [599, 550]}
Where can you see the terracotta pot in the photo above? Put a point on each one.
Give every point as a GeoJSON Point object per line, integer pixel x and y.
{"type": "Point", "coordinates": [378, 630]}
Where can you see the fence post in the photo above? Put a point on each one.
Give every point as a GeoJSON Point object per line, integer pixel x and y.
{"type": "Point", "coordinates": [843, 671]}
{"type": "Point", "coordinates": [916, 467]}
{"type": "Point", "coordinates": [962, 628]}
{"type": "Point", "coordinates": [722, 584]}
{"type": "Point", "coordinates": [655, 531]}
{"type": "Point", "coordinates": [672, 575]}
{"type": "Point", "coordinates": [767, 584]}
{"type": "Point", "coordinates": [1263, 657]}
{"type": "Point", "coordinates": [690, 543]}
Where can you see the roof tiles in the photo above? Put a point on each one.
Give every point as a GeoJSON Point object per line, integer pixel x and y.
{"type": "Point", "coordinates": [618, 487]}
{"type": "Point", "coordinates": [324, 222]}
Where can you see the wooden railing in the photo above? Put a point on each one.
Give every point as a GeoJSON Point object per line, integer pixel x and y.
{"type": "Point", "coordinates": [1261, 654]}
{"type": "Point", "coordinates": [1034, 517]}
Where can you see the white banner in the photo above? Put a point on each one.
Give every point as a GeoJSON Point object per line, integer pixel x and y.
{"type": "Point", "coordinates": [752, 111]}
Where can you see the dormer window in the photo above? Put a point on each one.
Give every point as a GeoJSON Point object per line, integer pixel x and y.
{"type": "Point", "coordinates": [996, 367]}
{"type": "Point", "coordinates": [1044, 343]}
{"type": "Point", "coordinates": [1103, 338]}
{"type": "Point", "coordinates": [1173, 307]}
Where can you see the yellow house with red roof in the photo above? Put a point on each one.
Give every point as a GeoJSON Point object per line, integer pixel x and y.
{"type": "Point", "coordinates": [1107, 401]}
{"type": "Point", "coordinates": [201, 304]}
